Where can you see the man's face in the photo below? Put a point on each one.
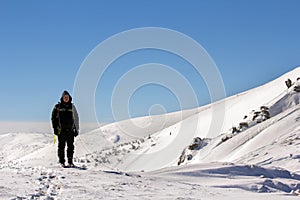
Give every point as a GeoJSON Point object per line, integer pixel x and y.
{"type": "Point", "coordinates": [66, 98]}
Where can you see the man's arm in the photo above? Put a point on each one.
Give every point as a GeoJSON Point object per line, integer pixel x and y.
{"type": "Point", "coordinates": [76, 118]}
{"type": "Point", "coordinates": [54, 118]}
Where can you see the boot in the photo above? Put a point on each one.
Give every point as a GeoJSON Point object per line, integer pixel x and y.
{"type": "Point", "coordinates": [70, 162]}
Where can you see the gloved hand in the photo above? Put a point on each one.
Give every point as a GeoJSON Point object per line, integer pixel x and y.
{"type": "Point", "coordinates": [57, 131]}
{"type": "Point", "coordinates": [75, 132]}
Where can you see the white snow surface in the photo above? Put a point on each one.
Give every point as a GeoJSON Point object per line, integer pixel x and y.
{"type": "Point", "coordinates": [138, 158]}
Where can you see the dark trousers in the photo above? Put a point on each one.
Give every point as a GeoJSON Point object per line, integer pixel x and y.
{"type": "Point", "coordinates": [65, 137]}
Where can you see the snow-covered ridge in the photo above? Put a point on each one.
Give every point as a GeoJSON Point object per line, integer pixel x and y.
{"type": "Point", "coordinates": [273, 96]}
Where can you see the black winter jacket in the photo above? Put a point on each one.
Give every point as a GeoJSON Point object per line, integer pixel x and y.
{"type": "Point", "coordinates": [65, 117]}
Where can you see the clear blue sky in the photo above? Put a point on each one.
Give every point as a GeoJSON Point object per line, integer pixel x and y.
{"type": "Point", "coordinates": [43, 43]}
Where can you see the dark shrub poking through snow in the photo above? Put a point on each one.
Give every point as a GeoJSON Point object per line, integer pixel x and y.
{"type": "Point", "coordinates": [226, 137]}
{"type": "Point", "coordinates": [297, 88]}
{"type": "Point", "coordinates": [243, 125]}
{"type": "Point", "coordinates": [262, 115]}
{"type": "Point", "coordinates": [234, 130]}
{"type": "Point", "coordinates": [288, 83]}
{"type": "Point", "coordinates": [196, 143]}
{"type": "Point", "coordinates": [189, 152]}
{"type": "Point", "coordinates": [264, 108]}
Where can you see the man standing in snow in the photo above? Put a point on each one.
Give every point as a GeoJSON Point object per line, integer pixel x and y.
{"type": "Point", "coordinates": [65, 122]}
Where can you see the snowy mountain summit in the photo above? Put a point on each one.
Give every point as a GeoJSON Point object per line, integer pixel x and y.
{"type": "Point", "coordinates": [256, 154]}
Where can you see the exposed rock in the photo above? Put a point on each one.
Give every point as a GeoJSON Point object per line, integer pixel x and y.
{"type": "Point", "coordinates": [288, 83]}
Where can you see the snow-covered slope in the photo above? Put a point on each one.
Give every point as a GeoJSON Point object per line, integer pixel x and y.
{"type": "Point", "coordinates": [260, 155]}
{"type": "Point", "coordinates": [161, 150]}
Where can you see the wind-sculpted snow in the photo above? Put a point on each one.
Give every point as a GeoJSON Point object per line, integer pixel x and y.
{"type": "Point", "coordinates": [248, 177]}
{"type": "Point", "coordinates": [291, 99]}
